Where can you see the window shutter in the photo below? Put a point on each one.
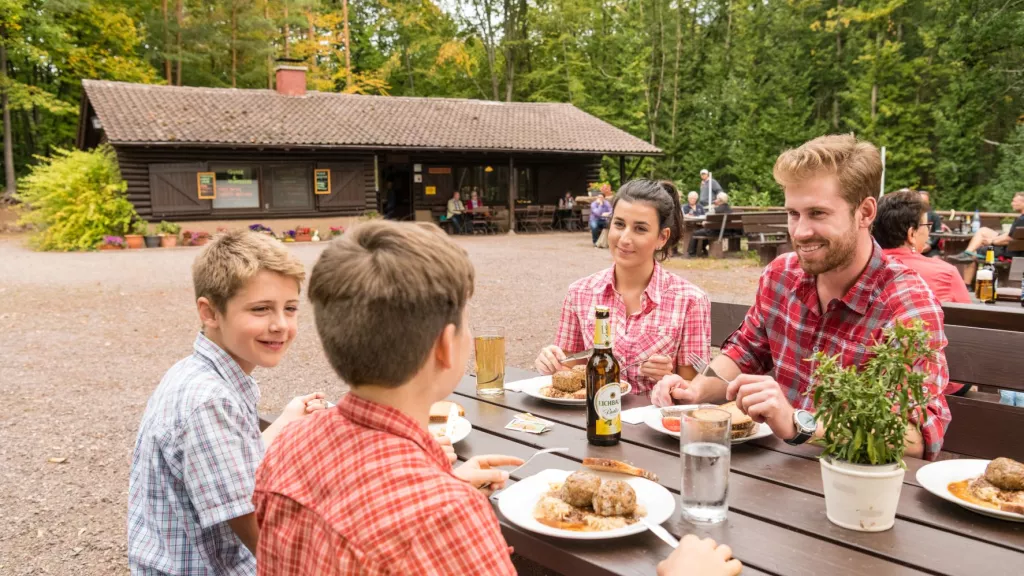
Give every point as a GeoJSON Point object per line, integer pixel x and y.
{"type": "Point", "coordinates": [173, 189]}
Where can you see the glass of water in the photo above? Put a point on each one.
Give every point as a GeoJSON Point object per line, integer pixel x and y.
{"type": "Point", "coordinates": [705, 445]}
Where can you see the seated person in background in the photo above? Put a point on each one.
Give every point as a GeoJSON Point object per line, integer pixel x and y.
{"type": "Point", "coordinates": [901, 229]}
{"type": "Point", "coordinates": [834, 294]}
{"type": "Point", "coordinates": [474, 201]}
{"type": "Point", "coordinates": [364, 488]}
{"type": "Point", "coordinates": [987, 237]}
{"type": "Point", "coordinates": [935, 226]}
{"type": "Point", "coordinates": [656, 316]}
{"type": "Point", "coordinates": [692, 207]}
{"type": "Point", "coordinates": [700, 237]}
{"type": "Point", "coordinates": [566, 203]}
{"type": "Point", "coordinates": [600, 210]}
{"type": "Point", "coordinates": [456, 213]}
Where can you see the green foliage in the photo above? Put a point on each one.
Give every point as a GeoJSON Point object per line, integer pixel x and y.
{"type": "Point", "coordinates": [1010, 174]}
{"type": "Point", "coordinates": [73, 199]}
{"type": "Point", "coordinates": [140, 227]}
{"type": "Point", "coordinates": [168, 228]}
{"type": "Point", "coordinates": [865, 413]}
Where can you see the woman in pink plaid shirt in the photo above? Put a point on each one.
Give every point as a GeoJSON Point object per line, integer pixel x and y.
{"type": "Point", "coordinates": [659, 319]}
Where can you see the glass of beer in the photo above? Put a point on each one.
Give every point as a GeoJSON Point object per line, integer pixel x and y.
{"type": "Point", "coordinates": [705, 443]}
{"type": "Point", "coordinates": [490, 361]}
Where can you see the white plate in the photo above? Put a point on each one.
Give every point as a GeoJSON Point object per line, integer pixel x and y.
{"type": "Point", "coordinates": [653, 419]}
{"type": "Point", "coordinates": [462, 429]}
{"type": "Point", "coordinates": [935, 478]}
{"type": "Point", "coordinates": [532, 387]}
{"type": "Point", "coordinates": [518, 501]}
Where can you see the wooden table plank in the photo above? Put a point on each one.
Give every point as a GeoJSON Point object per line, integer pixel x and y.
{"type": "Point", "coordinates": [763, 547]}
{"type": "Point", "coordinates": [909, 542]}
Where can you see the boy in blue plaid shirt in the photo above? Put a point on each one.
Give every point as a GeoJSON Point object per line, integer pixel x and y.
{"type": "Point", "coordinates": [193, 471]}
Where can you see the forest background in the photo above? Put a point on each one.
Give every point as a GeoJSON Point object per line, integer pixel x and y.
{"type": "Point", "coordinates": [718, 84]}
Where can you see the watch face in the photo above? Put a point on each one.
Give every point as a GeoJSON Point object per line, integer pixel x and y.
{"type": "Point", "coordinates": [806, 420]}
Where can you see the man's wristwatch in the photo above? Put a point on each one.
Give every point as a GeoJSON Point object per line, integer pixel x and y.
{"type": "Point", "coordinates": [806, 426]}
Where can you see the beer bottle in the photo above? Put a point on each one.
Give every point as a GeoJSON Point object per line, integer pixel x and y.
{"type": "Point", "coordinates": [985, 280]}
{"type": "Point", "coordinates": [604, 402]}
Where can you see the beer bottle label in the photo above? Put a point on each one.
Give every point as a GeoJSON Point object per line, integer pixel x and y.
{"type": "Point", "coordinates": [602, 333]}
{"type": "Point", "coordinates": [608, 404]}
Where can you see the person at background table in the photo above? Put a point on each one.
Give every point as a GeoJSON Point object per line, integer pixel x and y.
{"type": "Point", "coordinates": [692, 206]}
{"type": "Point", "coordinates": [474, 201]}
{"type": "Point", "coordinates": [901, 229]}
{"type": "Point", "coordinates": [457, 213]}
{"type": "Point", "coordinates": [657, 317]}
{"type": "Point", "coordinates": [834, 294]}
{"type": "Point", "coordinates": [600, 211]}
{"type": "Point", "coordinates": [709, 188]}
{"type": "Point", "coordinates": [987, 237]}
{"type": "Point", "coordinates": [566, 203]}
{"type": "Point", "coordinates": [702, 237]}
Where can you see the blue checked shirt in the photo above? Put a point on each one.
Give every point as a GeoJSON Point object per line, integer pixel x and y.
{"type": "Point", "coordinates": [194, 468]}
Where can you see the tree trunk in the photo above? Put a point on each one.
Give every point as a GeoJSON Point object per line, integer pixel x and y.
{"type": "Point", "coordinates": [234, 45]}
{"type": "Point", "coordinates": [874, 101]}
{"type": "Point", "coordinates": [675, 72]}
{"type": "Point", "coordinates": [839, 65]}
{"type": "Point", "coordinates": [287, 32]}
{"type": "Point", "coordinates": [270, 54]}
{"type": "Point", "coordinates": [11, 182]}
{"type": "Point", "coordinates": [167, 44]}
{"type": "Point", "coordinates": [181, 24]}
{"type": "Point", "coordinates": [345, 39]}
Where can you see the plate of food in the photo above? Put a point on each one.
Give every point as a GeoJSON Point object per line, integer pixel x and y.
{"type": "Point", "coordinates": [439, 412]}
{"type": "Point", "coordinates": [991, 487]}
{"type": "Point", "coordinates": [604, 499]}
{"type": "Point", "coordinates": [666, 421]}
{"type": "Point", "coordinates": [567, 387]}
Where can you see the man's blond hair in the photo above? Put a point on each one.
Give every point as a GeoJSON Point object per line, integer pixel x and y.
{"type": "Point", "coordinates": [382, 294]}
{"type": "Point", "coordinates": [856, 163]}
{"type": "Point", "coordinates": [233, 258]}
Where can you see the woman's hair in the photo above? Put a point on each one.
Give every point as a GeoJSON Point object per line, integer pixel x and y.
{"type": "Point", "coordinates": [664, 198]}
{"type": "Point", "coordinates": [897, 213]}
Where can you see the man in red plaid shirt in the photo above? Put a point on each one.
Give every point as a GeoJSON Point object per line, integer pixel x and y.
{"type": "Point", "coordinates": [834, 294]}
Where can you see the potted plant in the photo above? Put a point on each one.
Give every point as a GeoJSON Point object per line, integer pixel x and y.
{"type": "Point", "coordinates": [168, 234]}
{"type": "Point", "coordinates": [152, 240]}
{"type": "Point", "coordinates": [261, 229]}
{"type": "Point", "coordinates": [289, 236]}
{"type": "Point", "coordinates": [303, 234]}
{"type": "Point", "coordinates": [865, 414]}
{"type": "Point", "coordinates": [134, 239]}
{"type": "Point", "coordinates": [112, 243]}
{"type": "Point", "coordinates": [200, 238]}
{"type": "Point", "coordinates": [337, 231]}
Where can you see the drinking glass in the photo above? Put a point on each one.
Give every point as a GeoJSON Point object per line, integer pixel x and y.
{"type": "Point", "coordinates": [705, 445]}
{"type": "Point", "coordinates": [490, 361]}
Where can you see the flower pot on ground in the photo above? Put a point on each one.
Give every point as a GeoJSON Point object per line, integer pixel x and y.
{"type": "Point", "coordinates": [112, 243]}
{"type": "Point", "coordinates": [865, 415]}
{"type": "Point", "coordinates": [168, 234]}
{"type": "Point", "coordinates": [167, 241]}
{"type": "Point", "coordinates": [134, 239]}
{"type": "Point", "coordinates": [303, 234]}
{"type": "Point", "coordinates": [152, 241]}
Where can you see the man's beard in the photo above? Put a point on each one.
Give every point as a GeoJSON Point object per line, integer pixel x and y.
{"type": "Point", "coordinates": [838, 252]}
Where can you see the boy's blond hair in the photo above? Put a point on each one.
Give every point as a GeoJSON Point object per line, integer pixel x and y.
{"type": "Point", "coordinates": [856, 163]}
{"type": "Point", "coordinates": [233, 258]}
{"type": "Point", "coordinates": [382, 294]}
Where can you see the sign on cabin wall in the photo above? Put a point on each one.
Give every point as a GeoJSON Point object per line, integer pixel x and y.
{"type": "Point", "coordinates": [417, 178]}
{"type": "Point", "coordinates": [206, 183]}
{"type": "Point", "coordinates": [430, 190]}
{"type": "Point", "coordinates": [322, 177]}
{"type": "Point", "coordinates": [439, 170]}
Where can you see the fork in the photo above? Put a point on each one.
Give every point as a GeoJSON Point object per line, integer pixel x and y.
{"type": "Point", "coordinates": [494, 496]}
{"type": "Point", "coordinates": [704, 368]}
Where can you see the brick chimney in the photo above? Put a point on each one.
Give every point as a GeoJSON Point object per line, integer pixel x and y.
{"type": "Point", "coordinates": [291, 80]}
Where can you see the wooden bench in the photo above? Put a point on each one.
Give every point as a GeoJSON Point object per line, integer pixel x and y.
{"type": "Point", "coordinates": [767, 233]}
{"type": "Point", "coordinates": [728, 229]}
{"type": "Point", "coordinates": [986, 357]}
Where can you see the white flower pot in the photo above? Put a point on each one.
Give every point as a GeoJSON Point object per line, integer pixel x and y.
{"type": "Point", "coordinates": [861, 497]}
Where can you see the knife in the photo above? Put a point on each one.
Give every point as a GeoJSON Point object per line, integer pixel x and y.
{"type": "Point", "coordinates": [449, 427]}
{"type": "Point", "coordinates": [660, 533]}
{"type": "Point", "coordinates": [579, 355]}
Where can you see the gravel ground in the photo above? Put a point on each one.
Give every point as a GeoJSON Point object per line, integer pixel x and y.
{"type": "Point", "coordinates": [90, 335]}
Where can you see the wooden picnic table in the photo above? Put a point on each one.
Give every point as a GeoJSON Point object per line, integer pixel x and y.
{"type": "Point", "coordinates": [952, 242]}
{"type": "Point", "coordinates": [776, 522]}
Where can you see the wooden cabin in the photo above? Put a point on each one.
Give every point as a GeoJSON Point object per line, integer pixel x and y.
{"type": "Point", "coordinates": [209, 155]}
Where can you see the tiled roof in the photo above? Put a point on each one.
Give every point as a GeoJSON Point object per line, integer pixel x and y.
{"type": "Point", "coordinates": [152, 114]}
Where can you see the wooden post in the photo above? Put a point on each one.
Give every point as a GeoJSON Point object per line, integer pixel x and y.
{"type": "Point", "coordinates": [512, 192]}
{"type": "Point", "coordinates": [622, 170]}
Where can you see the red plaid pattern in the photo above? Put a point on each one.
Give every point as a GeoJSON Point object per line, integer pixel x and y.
{"type": "Point", "coordinates": [364, 489]}
{"type": "Point", "coordinates": [674, 320]}
{"type": "Point", "coordinates": [784, 327]}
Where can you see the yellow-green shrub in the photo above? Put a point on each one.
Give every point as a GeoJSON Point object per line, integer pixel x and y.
{"type": "Point", "coordinates": [75, 198]}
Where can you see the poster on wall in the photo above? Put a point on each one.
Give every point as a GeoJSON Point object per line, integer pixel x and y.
{"type": "Point", "coordinates": [322, 177]}
{"type": "Point", "coordinates": [207, 185]}
{"type": "Point", "coordinates": [417, 167]}
{"type": "Point", "coordinates": [439, 170]}
{"type": "Point", "coordinates": [430, 190]}
{"type": "Point", "coordinates": [417, 178]}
